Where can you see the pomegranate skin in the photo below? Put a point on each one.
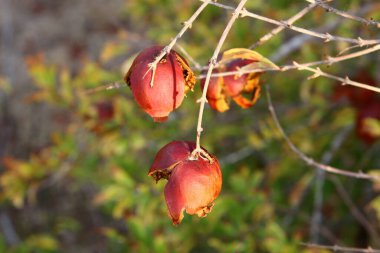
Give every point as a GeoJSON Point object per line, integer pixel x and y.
{"type": "Point", "coordinates": [244, 89]}
{"type": "Point", "coordinates": [215, 93]}
{"type": "Point", "coordinates": [172, 75]}
{"type": "Point", "coordinates": [168, 157]}
{"type": "Point", "coordinates": [192, 185]}
{"type": "Point", "coordinates": [234, 83]}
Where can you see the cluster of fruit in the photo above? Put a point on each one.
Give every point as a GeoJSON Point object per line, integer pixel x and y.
{"type": "Point", "coordinates": [193, 184]}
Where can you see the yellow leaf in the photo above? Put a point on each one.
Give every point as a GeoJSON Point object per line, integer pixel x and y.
{"type": "Point", "coordinates": [246, 54]}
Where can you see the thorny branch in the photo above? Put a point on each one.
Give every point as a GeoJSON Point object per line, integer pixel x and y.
{"type": "Point", "coordinates": [166, 50]}
{"type": "Point", "coordinates": [317, 72]}
{"type": "Point", "coordinates": [280, 28]}
{"type": "Point", "coordinates": [344, 14]}
{"type": "Point", "coordinates": [336, 248]}
{"type": "Point", "coordinates": [308, 160]}
{"type": "Point", "coordinates": [326, 37]}
{"type": "Point", "coordinates": [198, 150]}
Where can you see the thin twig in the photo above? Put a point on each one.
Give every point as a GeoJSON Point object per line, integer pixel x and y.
{"type": "Point", "coordinates": [196, 64]}
{"type": "Point", "coordinates": [337, 248]}
{"type": "Point", "coordinates": [319, 179]}
{"type": "Point", "coordinates": [344, 14]}
{"type": "Point", "coordinates": [212, 63]}
{"type": "Point", "coordinates": [345, 81]}
{"type": "Point", "coordinates": [278, 29]}
{"type": "Point", "coordinates": [308, 160]}
{"type": "Point", "coordinates": [326, 158]}
{"type": "Point", "coordinates": [329, 61]}
{"type": "Point", "coordinates": [354, 210]}
{"type": "Point", "coordinates": [317, 72]}
{"type": "Point", "coordinates": [187, 25]}
{"type": "Point", "coordinates": [109, 86]}
{"type": "Point", "coordinates": [326, 37]}
{"type": "Point", "coordinates": [300, 40]}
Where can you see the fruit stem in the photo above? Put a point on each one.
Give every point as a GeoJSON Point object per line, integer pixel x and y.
{"type": "Point", "coordinates": [168, 48]}
{"type": "Point", "coordinates": [202, 154]}
{"type": "Point", "coordinates": [212, 63]}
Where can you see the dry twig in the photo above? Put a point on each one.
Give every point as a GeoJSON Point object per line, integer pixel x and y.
{"type": "Point", "coordinates": [308, 160]}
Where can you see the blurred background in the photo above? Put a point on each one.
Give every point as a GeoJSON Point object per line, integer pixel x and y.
{"type": "Point", "coordinates": [73, 164]}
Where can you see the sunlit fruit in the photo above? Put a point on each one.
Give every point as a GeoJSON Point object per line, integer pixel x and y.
{"type": "Point", "coordinates": [172, 78]}
{"type": "Point", "coordinates": [240, 81]}
{"type": "Point", "coordinates": [192, 186]}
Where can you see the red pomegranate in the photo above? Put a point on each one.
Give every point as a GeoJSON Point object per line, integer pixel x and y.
{"type": "Point", "coordinates": [192, 185]}
{"type": "Point", "coordinates": [172, 79]}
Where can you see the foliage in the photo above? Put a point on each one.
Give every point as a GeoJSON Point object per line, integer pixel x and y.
{"type": "Point", "coordinates": [107, 144]}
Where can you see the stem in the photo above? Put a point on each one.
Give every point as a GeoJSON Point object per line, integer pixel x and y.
{"type": "Point", "coordinates": [168, 48]}
{"type": "Point", "coordinates": [278, 29]}
{"type": "Point", "coordinates": [309, 161]}
{"type": "Point", "coordinates": [326, 37]}
{"type": "Point", "coordinates": [195, 154]}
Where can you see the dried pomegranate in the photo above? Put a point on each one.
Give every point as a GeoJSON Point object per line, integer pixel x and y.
{"type": "Point", "coordinates": [215, 95]}
{"type": "Point", "coordinates": [246, 84]}
{"type": "Point", "coordinates": [172, 79]}
{"type": "Point", "coordinates": [192, 185]}
{"type": "Point", "coordinates": [244, 89]}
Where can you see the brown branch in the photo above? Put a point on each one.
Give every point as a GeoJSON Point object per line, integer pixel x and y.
{"type": "Point", "coordinates": [344, 14]}
{"type": "Point", "coordinates": [278, 29]}
{"type": "Point", "coordinates": [166, 50]}
{"type": "Point", "coordinates": [324, 36]}
{"type": "Point", "coordinates": [337, 248]}
{"type": "Point", "coordinates": [308, 160]}
{"type": "Point", "coordinates": [213, 60]}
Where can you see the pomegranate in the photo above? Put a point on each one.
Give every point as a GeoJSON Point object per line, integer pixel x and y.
{"type": "Point", "coordinates": [172, 78]}
{"type": "Point", "coordinates": [192, 185]}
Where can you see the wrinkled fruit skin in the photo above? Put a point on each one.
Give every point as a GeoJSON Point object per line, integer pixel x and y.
{"type": "Point", "coordinates": [233, 86]}
{"type": "Point", "coordinates": [192, 185]}
{"type": "Point", "coordinates": [216, 96]}
{"type": "Point", "coordinates": [172, 79]}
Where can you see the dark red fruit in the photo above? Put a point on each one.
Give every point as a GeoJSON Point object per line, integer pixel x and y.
{"type": "Point", "coordinates": [370, 111]}
{"type": "Point", "coordinates": [192, 185]}
{"type": "Point", "coordinates": [172, 79]}
{"type": "Point", "coordinates": [105, 111]}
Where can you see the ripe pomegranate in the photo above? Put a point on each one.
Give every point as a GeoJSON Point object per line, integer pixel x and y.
{"type": "Point", "coordinates": [192, 185]}
{"type": "Point", "coordinates": [173, 77]}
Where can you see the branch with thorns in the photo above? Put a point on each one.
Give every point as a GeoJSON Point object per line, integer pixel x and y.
{"type": "Point", "coordinates": [327, 37]}
{"type": "Point", "coordinates": [309, 161]}
{"type": "Point", "coordinates": [213, 61]}
{"type": "Point", "coordinates": [337, 248]}
{"type": "Point", "coordinates": [344, 14]}
{"type": "Point", "coordinates": [187, 25]}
